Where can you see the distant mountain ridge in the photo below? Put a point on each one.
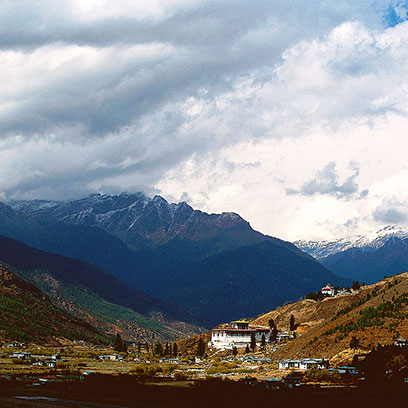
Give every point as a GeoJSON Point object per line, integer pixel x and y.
{"type": "Point", "coordinates": [145, 223]}
{"type": "Point", "coordinates": [141, 222]}
{"type": "Point", "coordinates": [369, 242]}
{"type": "Point", "coordinates": [366, 258]}
{"type": "Point", "coordinates": [172, 252]}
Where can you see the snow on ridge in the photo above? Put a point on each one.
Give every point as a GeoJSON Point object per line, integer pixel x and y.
{"type": "Point", "coordinates": [373, 240]}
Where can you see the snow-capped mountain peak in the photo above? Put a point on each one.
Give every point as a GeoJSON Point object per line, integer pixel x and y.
{"type": "Point", "coordinates": [371, 241]}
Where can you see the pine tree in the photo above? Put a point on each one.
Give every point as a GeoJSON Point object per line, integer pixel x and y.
{"type": "Point", "coordinates": [234, 351]}
{"type": "Point", "coordinates": [247, 350]}
{"type": "Point", "coordinates": [354, 342]}
{"type": "Point", "coordinates": [158, 349]}
{"type": "Point", "coordinates": [175, 350]}
{"type": "Point", "coordinates": [253, 342]}
{"type": "Point", "coordinates": [167, 350]}
{"type": "Point", "coordinates": [118, 343]}
{"type": "Point", "coordinates": [356, 285]}
{"type": "Point", "coordinates": [200, 348]}
{"type": "Point", "coordinates": [263, 342]}
{"type": "Point", "coordinates": [273, 331]}
{"type": "Point", "coordinates": [273, 335]}
{"type": "Point", "coordinates": [292, 325]}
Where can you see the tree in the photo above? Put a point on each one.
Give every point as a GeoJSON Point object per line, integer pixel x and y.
{"type": "Point", "coordinates": [272, 324]}
{"type": "Point", "coordinates": [263, 342]}
{"type": "Point", "coordinates": [234, 351]}
{"type": "Point", "coordinates": [356, 285]}
{"type": "Point", "coordinates": [247, 350]}
{"type": "Point", "coordinates": [167, 350]}
{"type": "Point", "coordinates": [175, 350]}
{"type": "Point", "coordinates": [253, 342]}
{"type": "Point", "coordinates": [354, 342]}
{"type": "Point", "coordinates": [158, 349]}
{"type": "Point", "coordinates": [200, 348]}
{"type": "Point", "coordinates": [292, 325]}
{"type": "Point", "coordinates": [274, 331]}
{"type": "Point", "coordinates": [118, 343]}
{"type": "Point", "coordinates": [355, 361]}
{"type": "Point", "coordinates": [147, 347]}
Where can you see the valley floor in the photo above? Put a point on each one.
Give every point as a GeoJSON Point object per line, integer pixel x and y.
{"type": "Point", "coordinates": [164, 396]}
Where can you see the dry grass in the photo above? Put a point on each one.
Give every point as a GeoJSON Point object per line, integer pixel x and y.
{"type": "Point", "coordinates": [316, 318]}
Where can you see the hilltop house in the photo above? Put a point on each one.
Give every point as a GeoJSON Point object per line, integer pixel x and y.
{"type": "Point", "coordinates": [328, 290]}
{"type": "Point", "coordinates": [237, 334]}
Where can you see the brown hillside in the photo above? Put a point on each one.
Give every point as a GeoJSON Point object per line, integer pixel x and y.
{"type": "Point", "coordinates": [377, 314]}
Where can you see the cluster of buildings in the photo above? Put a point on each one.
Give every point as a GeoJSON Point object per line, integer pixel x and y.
{"type": "Point", "coordinates": [50, 362]}
{"type": "Point", "coordinates": [330, 291]}
{"type": "Point", "coordinates": [240, 334]}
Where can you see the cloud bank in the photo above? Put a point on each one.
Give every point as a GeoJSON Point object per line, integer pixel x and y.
{"type": "Point", "coordinates": [229, 104]}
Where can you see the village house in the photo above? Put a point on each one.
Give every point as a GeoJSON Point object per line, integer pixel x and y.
{"type": "Point", "coordinates": [303, 364]}
{"type": "Point", "coordinates": [238, 334]}
{"type": "Point", "coordinates": [401, 342]}
{"type": "Point", "coordinates": [112, 357]}
{"type": "Point", "coordinates": [328, 290]}
{"type": "Point", "coordinates": [21, 355]}
{"type": "Point", "coordinates": [284, 336]}
{"type": "Point", "coordinates": [51, 363]}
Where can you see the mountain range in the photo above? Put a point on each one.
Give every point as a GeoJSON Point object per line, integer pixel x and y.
{"type": "Point", "coordinates": [366, 258]}
{"type": "Point", "coordinates": [215, 266]}
{"type": "Point", "coordinates": [368, 242]}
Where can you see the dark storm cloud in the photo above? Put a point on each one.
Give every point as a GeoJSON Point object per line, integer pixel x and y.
{"type": "Point", "coordinates": [209, 46]}
{"type": "Point", "coordinates": [109, 97]}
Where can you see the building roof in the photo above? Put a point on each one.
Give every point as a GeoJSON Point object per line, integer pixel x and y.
{"type": "Point", "coordinates": [249, 330]}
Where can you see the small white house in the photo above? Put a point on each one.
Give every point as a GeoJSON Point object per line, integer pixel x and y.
{"type": "Point", "coordinates": [284, 336]}
{"type": "Point", "coordinates": [21, 355]}
{"type": "Point", "coordinates": [51, 363]}
{"type": "Point", "coordinates": [112, 357]}
{"type": "Point", "coordinates": [238, 334]}
{"type": "Point", "coordinates": [328, 290]}
{"type": "Point", "coordinates": [303, 364]}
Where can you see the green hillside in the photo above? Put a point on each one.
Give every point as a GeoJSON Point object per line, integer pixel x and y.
{"type": "Point", "coordinates": [91, 294]}
{"type": "Point", "coordinates": [27, 315]}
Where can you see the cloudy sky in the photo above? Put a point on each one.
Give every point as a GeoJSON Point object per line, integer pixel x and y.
{"type": "Point", "coordinates": [290, 113]}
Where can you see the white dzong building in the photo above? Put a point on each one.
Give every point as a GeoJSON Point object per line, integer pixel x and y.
{"type": "Point", "coordinates": [237, 334]}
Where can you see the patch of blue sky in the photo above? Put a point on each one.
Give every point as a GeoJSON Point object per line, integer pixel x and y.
{"type": "Point", "coordinates": [393, 13]}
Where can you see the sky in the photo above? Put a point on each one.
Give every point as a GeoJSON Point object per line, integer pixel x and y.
{"type": "Point", "coordinates": [291, 113]}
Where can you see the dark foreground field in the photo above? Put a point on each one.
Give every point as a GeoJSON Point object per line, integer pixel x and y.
{"type": "Point", "coordinates": [105, 392]}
